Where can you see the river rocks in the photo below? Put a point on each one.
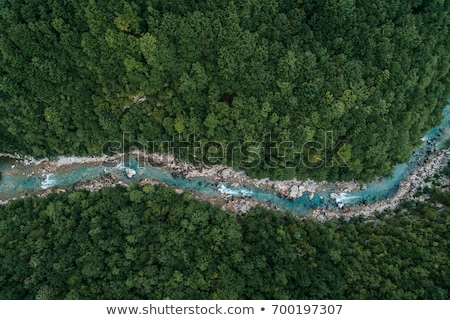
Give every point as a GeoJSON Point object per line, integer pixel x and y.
{"type": "Point", "coordinates": [294, 192]}
{"type": "Point", "coordinates": [227, 173]}
{"type": "Point", "coordinates": [62, 160]}
{"type": "Point", "coordinates": [261, 183]}
{"type": "Point", "coordinates": [323, 215]}
{"type": "Point", "coordinates": [130, 173]}
{"type": "Point", "coordinates": [152, 182]}
{"type": "Point", "coordinates": [281, 188]}
{"type": "Point", "coordinates": [240, 206]}
{"type": "Point", "coordinates": [9, 155]}
{"type": "Point", "coordinates": [106, 180]}
{"type": "Point", "coordinates": [301, 189]}
{"type": "Point", "coordinates": [291, 189]}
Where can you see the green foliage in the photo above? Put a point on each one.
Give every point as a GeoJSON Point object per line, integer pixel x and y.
{"type": "Point", "coordinates": [151, 243]}
{"type": "Point", "coordinates": [376, 75]}
{"type": "Point", "coordinates": [446, 170]}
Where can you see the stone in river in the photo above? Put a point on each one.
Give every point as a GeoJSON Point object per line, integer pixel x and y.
{"type": "Point", "coordinates": [293, 192]}
{"type": "Point", "coordinates": [130, 172]}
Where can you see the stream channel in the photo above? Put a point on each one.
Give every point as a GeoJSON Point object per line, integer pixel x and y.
{"type": "Point", "coordinates": [20, 178]}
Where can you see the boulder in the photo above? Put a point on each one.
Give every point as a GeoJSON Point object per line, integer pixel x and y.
{"type": "Point", "coordinates": [301, 189]}
{"type": "Point", "coordinates": [227, 173]}
{"type": "Point", "coordinates": [130, 173]}
{"type": "Point", "coordinates": [293, 192]}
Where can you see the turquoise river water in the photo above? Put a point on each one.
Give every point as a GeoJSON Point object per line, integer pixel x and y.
{"type": "Point", "coordinates": [19, 179]}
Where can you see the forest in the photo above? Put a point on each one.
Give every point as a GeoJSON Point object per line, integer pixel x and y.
{"type": "Point", "coordinates": [148, 242]}
{"type": "Point", "coordinates": [340, 89]}
{"type": "Point", "coordinates": [358, 82]}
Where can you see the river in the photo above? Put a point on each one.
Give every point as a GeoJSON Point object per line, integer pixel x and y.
{"type": "Point", "coordinates": [22, 178]}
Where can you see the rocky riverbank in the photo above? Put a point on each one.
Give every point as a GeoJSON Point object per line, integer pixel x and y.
{"type": "Point", "coordinates": [290, 189]}
{"type": "Point", "coordinates": [408, 190]}
{"type": "Point", "coordinates": [429, 165]}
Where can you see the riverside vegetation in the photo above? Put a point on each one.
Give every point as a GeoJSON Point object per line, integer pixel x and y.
{"type": "Point", "coordinates": [76, 74]}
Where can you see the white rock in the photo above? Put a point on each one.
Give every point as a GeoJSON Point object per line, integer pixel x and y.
{"type": "Point", "coordinates": [294, 192]}
{"type": "Point", "coordinates": [130, 172]}
{"type": "Point", "coordinates": [301, 189]}
{"type": "Point", "coordinates": [227, 173]}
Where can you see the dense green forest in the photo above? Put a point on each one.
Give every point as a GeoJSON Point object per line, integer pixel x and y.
{"type": "Point", "coordinates": [75, 74]}
{"type": "Point", "coordinates": [151, 243]}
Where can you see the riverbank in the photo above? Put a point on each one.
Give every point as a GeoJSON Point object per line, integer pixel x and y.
{"type": "Point", "coordinates": [433, 163]}
{"type": "Point", "coordinates": [290, 190]}
{"type": "Point", "coordinates": [408, 190]}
